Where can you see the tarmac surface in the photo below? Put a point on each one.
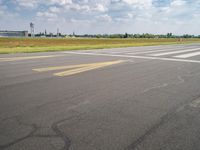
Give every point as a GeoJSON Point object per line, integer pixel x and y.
{"type": "Point", "coordinates": [140, 98]}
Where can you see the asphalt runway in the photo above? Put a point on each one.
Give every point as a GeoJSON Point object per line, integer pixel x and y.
{"type": "Point", "coordinates": [140, 98]}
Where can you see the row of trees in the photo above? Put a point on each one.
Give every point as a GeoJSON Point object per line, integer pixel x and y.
{"type": "Point", "coordinates": [126, 35]}
{"type": "Point", "coordinates": [144, 35]}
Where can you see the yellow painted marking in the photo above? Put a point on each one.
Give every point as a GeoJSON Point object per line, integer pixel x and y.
{"type": "Point", "coordinates": [26, 58]}
{"type": "Point", "coordinates": [59, 68]}
{"type": "Point", "coordinates": [195, 103]}
{"type": "Point", "coordinates": [75, 69]}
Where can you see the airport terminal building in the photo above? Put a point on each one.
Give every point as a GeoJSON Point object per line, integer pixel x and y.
{"type": "Point", "coordinates": [13, 33]}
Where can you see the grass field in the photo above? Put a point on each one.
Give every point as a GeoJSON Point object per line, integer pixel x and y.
{"type": "Point", "coordinates": [28, 45]}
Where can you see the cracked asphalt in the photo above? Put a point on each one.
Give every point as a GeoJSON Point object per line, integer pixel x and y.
{"type": "Point", "coordinates": [140, 104]}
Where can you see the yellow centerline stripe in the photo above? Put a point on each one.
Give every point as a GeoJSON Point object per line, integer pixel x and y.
{"type": "Point", "coordinates": [26, 58]}
{"type": "Point", "coordinates": [71, 66]}
{"type": "Point", "coordinates": [59, 68]}
{"type": "Point", "coordinates": [75, 69]}
{"type": "Point", "coordinates": [84, 69]}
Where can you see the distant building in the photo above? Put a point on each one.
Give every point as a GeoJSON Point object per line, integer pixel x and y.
{"type": "Point", "coordinates": [13, 33]}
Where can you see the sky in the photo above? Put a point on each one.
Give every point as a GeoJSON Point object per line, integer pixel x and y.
{"type": "Point", "coordinates": [102, 16]}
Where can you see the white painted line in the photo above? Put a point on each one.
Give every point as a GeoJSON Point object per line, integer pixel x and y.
{"type": "Point", "coordinates": [175, 52]}
{"type": "Point", "coordinates": [134, 50]}
{"type": "Point", "coordinates": [188, 55]}
{"type": "Point", "coordinates": [142, 57]}
{"type": "Point", "coordinates": [153, 51]}
{"type": "Point", "coordinates": [118, 51]}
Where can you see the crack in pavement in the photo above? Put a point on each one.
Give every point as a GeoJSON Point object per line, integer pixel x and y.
{"type": "Point", "coordinates": [56, 129]}
{"type": "Point", "coordinates": [67, 140]}
{"type": "Point", "coordinates": [33, 126]}
{"type": "Point", "coordinates": [167, 116]}
{"type": "Point", "coordinates": [180, 81]}
{"type": "Point", "coordinates": [34, 130]}
{"type": "Point", "coordinates": [164, 119]}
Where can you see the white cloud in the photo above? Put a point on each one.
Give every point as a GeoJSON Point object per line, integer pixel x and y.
{"type": "Point", "coordinates": [46, 14]}
{"type": "Point", "coordinates": [59, 2]}
{"type": "Point", "coordinates": [140, 3]}
{"type": "Point", "coordinates": [35, 3]}
{"type": "Point", "coordinates": [100, 8]}
{"type": "Point", "coordinates": [77, 7]}
{"type": "Point", "coordinates": [105, 18]}
{"type": "Point", "coordinates": [27, 4]}
{"type": "Point", "coordinates": [178, 3]}
{"type": "Point", "coordinates": [129, 15]}
{"type": "Point", "coordinates": [54, 9]}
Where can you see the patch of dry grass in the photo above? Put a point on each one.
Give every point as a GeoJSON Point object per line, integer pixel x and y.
{"type": "Point", "coordinates": [19, 45]}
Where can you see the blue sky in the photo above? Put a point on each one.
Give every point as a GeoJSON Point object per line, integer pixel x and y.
{"type": "Point", "coordinates": [102, 16]}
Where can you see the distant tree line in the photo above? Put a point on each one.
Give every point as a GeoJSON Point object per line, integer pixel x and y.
{"type": "Point", "coordinates": [126, 35]}
{"type": "Point", "coordinates": [144, 35]}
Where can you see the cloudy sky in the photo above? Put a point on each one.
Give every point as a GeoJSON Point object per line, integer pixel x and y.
{"type": "Point", "coordinates": [102, 16]}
